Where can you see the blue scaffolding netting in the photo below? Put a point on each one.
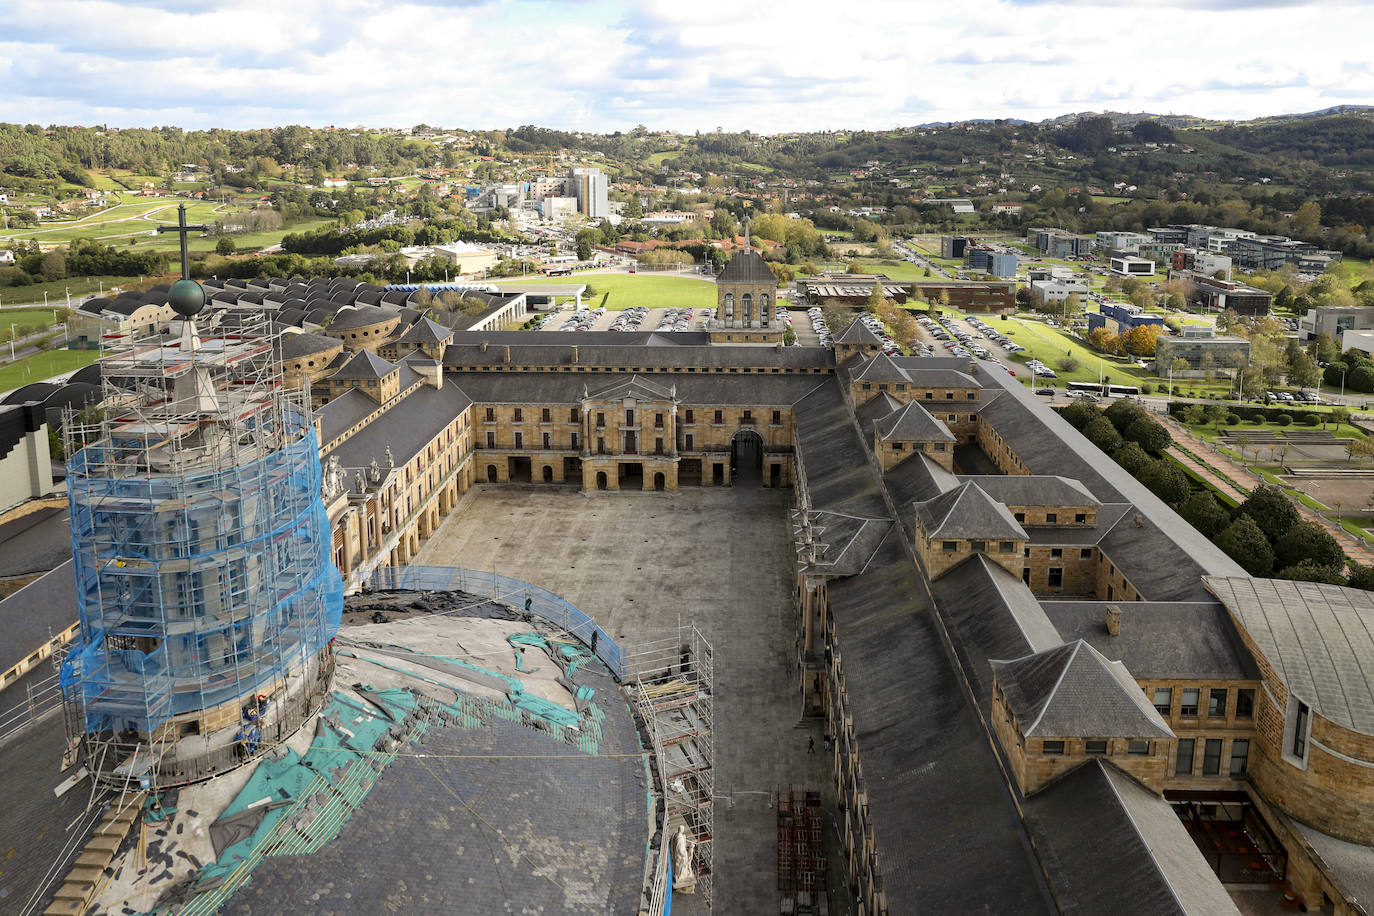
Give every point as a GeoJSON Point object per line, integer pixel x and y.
{"type": "Point", "coordinates": [195, 590]}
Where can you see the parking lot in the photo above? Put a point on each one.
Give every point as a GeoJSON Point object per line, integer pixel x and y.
{"type": "Point", "coordinates": [642, 319]}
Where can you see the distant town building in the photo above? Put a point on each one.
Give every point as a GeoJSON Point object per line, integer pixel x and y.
{"type": "Point", "coordinates": [1128, 266]}
{"type": "Point", "coordinates": [589, 186]}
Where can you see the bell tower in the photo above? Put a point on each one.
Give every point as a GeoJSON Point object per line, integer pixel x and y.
{"type": "Point", "coordinates": [745, 292]}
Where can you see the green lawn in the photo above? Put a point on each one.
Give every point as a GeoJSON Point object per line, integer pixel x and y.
{"type": "Point", "coordinates": [44, 365]}
{"type": "Point", "coordinates": [1049, 345]}
{"type": "Point", "coordinates": [622, 291]}
{"type": "Point", "coordinates": [25, 321]}
{"type": "Point", "coordinates": [57, 290]}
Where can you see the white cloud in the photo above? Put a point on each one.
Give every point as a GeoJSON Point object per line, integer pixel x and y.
{"type": "Point", "coordinates": [603, 65]}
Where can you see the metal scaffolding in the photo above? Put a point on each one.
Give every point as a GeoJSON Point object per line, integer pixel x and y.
{"type": "Point", "coordinates": [200, 541]}
{"type": "Point", "coordinates": [673, 685]}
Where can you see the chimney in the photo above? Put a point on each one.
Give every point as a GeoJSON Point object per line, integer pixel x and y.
{"type": "Point", "coordinates": [973, 367]}
{"type": "Point", "coordinates": [431, 370]}
{"type": "Point", "coordinates": [778, 346]}
{"type": "Point", "coordinates": [505, 354]}
{"type": "Point", "coordinates": [1113, 620]}
{"type": "Point", "coordinates": [483, 346]}
{"type": "Point", "coordinates": [574, 356]}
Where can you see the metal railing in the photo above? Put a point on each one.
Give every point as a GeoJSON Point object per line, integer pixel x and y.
{"type": "Point", "coordinates": [40, 699]}
{"type": "Point", "coordinates": [514, 592]}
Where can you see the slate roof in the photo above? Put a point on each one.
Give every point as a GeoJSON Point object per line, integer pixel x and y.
{"type": "Point", "coordinates": [342, 413]}
{"type": "Point", "coordinates": [425, 331]}
{"type": "Point", "coordinates": [633, 387]}
{"type": "Point", "coordinates": [948, 839]}
{"type": "Point", "coordinates": [992, 614]}
{"type": "Point", "coordinates": [361, 316]}
{"type": "Point", "coordinates": [1318, 638]}
{"type": "Point", "coordinates": [874, 409]}
{"type": "Point", "coordinates": [31, 616]}
{"type": "Point", "coordinates": [859, 334]}
{"type": "Point", "coordinates": [835, 462]}
{"type": "Point", "coordinates": [917, 479]}
{"type": "Point", "coordinates": [365, 364]}
{"type": "Point", "coordinates": [1027, 490]}
{"type": "Point", "coordinates": [844, 543]}
{"type": "Point", "coordinates": [703, 391]}
{"type": "Point", "coordinates": [424, 412]}
{"type": "Point", "coordinates": [1349, 864]}
{"type": "Point", "coordinates": [1112, 846]}
{"type": "Point", "coordinates": [747, 266]}
{"type": "Point", "coordinates": [968, 512]}
{"type": "Point", "coordinates": [1166, 640]}
{"type": "Point", "coordinates": [880, 368]}
{"type": "Point", "coordinates": [694, 354]}
{"type": "Point", "coordinates": [912, 423]}
{"type": "Point", "coordinates": [296, 345]}
{"type": "Point", "coordinates": [1072, 691]}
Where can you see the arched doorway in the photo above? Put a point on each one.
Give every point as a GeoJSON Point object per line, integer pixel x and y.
{"type": "Point", "coordinates": [548, 474]}
{"type": "Point", "coordinates": [660, 483]}
{"type": "Point", "coordinates": [746, 456]}
{"type": "Point", "coordinates": [491, 473]}
{"type": "Point", "coordinates": [601, 480]}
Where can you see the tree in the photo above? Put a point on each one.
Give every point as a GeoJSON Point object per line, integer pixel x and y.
{"type": "Point", "coordinates": [1243, 442]}
{"type": "Point", "coordinates": [1338, 416]}
{"type": "Point", "coordinates": [1104, 341]}
{"type": "Point", "coordinates": [877, 298]}
{"type": "Point", "coordinates": [1141, 339]}
{"type": "Point", "coordinates": [1325, 349]}
{"type": "Point", "coordinates": [1302, 371]}
{"type": "Point", "coordinates": [1361, 379]}
{"type": "Point", "coordinates": [584, 247]}
{"type": "Point", "coordinates": [1123, 413]}
{"type": "Point", "coordinates": [1361, 576]}
{"type": "Point", "coordinates": [53, 265]}
{"type": "Point", "coordinates": [225, 246]}
{"type": "Point", "coordinates": [1271, 510]}
{"type": "Point", "coordinates": [1310, 572]}
{"type": "Point", "coordinates": [1103, 434]}
{"type": "Point", "coordinates": [1244, 542]}
{"type": "Point", "coordinates": [1079, 414]}
{"type": "Point", "coordinates": [1362, 449]}
{"type": "Point", "coordinates": [1307, 219]}
{"type": "Point", "coordinates": [1203, 512]}
{"type": "Point", "coordinates": [1308, 542]}
{"type": "Point", "coordinates": [1132, 458]}
{"type": "Point", "coordinates": [1166, 481]}
{"type": "Point", "coordinates": [1335, 373]}
{"type": "Point", "coordinates": [1149, 434]}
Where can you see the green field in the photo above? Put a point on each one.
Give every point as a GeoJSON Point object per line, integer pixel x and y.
{"type": "Point", "coordinates": [44, 365]}
{"type": "Point", "coordinates": [26, 321]}
{"type": "Point", "coordinates": [57, 290]}
{"type": "Point", "coordinates": [623, 291]}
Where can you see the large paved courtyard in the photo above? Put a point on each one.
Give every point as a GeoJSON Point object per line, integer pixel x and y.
{"type": "Point", "coordinates": [636, 562]}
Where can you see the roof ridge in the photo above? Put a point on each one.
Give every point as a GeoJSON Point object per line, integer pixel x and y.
{"type": "Point", "coordinates": [1063, 670]}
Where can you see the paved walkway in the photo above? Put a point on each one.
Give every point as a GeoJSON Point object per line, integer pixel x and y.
{"type": "Point", "coordinates": [1357, 549]}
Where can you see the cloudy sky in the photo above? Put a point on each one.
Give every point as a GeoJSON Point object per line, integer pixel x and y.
{"type": "Point", "coordinates": [676, 64]}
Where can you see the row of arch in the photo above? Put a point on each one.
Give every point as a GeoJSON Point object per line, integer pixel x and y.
{"type": "Point", "coordinates": [747, 309]}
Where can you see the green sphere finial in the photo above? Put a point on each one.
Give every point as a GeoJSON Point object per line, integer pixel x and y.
{"type": "Point", "coordinates": [187, 298]}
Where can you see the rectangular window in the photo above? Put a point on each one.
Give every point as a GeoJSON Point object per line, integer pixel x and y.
{"type": "Point", "coordinates": [1007, 547]}
{"type": "Point", "coordinates": [1240, 756]}
{"type": "Point", "coordinates": [688, 416]}
{"type": "Point", "coordinates": [954, 418]}
{"type": "Point", "coordinates": [1138, 747]}
{"type": "Point", "coordinates": [777, 418]}
{"type": "Point", "coordinates": [898, 446]}
{"type": "Point", "coordinates": [600, 419]}
{"type": "Point", "coordinates": [1183, 763]}
{"type": "Point", "coordinates": [972, 395]}
{"type": "Point", "coordinates": [519, 440]}
{"type": "Point", "coordinates": [519, 415]}
{"type": "Point", "coordinates": [1085, 554]}
{"type": "Point", "coordinates": [1020, 518]}
{"type": "Point", "coordinates": [1056, 553]}
{"type": "Point", "coordinates": [1051, 518]}
{"type": "Point", "coordinates": [572, 440]}
{"type": "Point", "coordinates": [949, 395]}
{"type": "Point", "coordinates": [1164, 699]}
{"type": "Point", "coordinates": [1245, 703]}
{"type": "Point", "coordinates": [491, 440]}
{"type": "Point", "coordinates": [544, 416]}
{"type": "Point", "coordinates": [1095, 747]}
{"type": "Point", "coordinates": [939, 446]}
{"type": "Point", "coordinates": [1052, 747]}
{"type": "Point", "coordinates": [1300, 732]}
{"type": "Point", "coordinates": [600, 445]}
{"type": "Point", "coordinates": [491, 414]}
{"type": "Point", "coordinates": [548, 441]}
{"type": "Point", "coordinates": [867, 386]}
{"type": "Point", "coordinates": [629, 417]}
{"type": "Point", "coordinates": [574, 415]}
{"type": "Point", "coordinates": [949, 546]}
{"type": "Point", "coordinates": [687, 441]}
{"type": "Point", "coordinates": [1189, 704]}
{"type": "Point", "coordinates": [719, 417]}
{"type": "Point", "coordinates": [1055, 577]}
{"type": "Point", "coordinates": [1216, 702]}
{"type": "Point", "coordinates": [1080, 519]}
{"type": "Point", "coordinates": [658, 446]}
{"type": "Point", "coordinates": [658, 421]}
{"type": "Point", "coordinates": [1025, 574]}
{"type": "Point", "coordinates": [930, 395]}
{"type": "Point", "coordinates": [1211, 757]}
{"type": "Point", "coordinates": [979, 546]}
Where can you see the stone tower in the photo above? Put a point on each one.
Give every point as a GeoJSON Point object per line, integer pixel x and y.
{"type": "Point", "coordinates": [744, 300]}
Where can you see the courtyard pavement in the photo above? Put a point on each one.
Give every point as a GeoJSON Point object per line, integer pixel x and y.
{"type": "Point", "coordinates": [639, 562]}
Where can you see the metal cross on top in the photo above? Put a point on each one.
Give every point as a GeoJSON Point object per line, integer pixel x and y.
{"type": "Point", "coordinates": [182, 229]}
